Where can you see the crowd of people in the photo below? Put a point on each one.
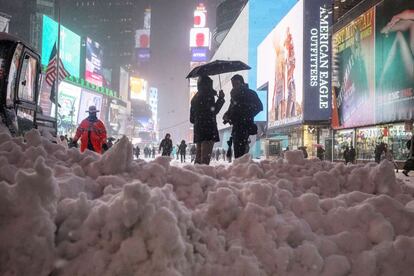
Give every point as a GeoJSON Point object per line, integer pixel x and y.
{"type": "Point", "coordinates": [244, 106]}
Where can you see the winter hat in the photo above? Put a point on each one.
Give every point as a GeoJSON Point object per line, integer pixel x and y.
{"type": "Point", "coordinates": [92, 109]}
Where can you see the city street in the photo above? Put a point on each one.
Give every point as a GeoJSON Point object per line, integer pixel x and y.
{"type": "Point", "coordinates": [206, 138]}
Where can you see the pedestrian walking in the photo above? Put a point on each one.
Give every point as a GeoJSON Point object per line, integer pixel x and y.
{"type": "Point", "coordinates": [137, 152]}
{"type": "Point", "coordinates": [166, 146]}
{"type": "Point", "coordinates": [182, 149]}
{"type": "Point", "coordinates": [203, 112]}
{"type": "Point", "coordinates": [229, 153]}
{"type": "Point", "coordinates": [223, 153]}
{"type": "Point", "coordinates": [91, 132]}
{"type": "Point", "coordinates": [320, 153]}
{"type": "Point", "coordinates": [218, 153]}
{"type": "Point", "coordinates": [352, 155]}
{"type": "Point", "coordinates": [379, 149]}
{"type": "Point", "coordinates": [409, 164]}
{"type": "Point", "coordinates": [244, 106]}
{"type": "Point", "coordinates": [304, 151]}
{"type": "Point", "coordinates": [153, 152]}
{"type": "Point", "coordinates": [346, 155]}
{"type": "Point", "coordinates": [193, 152]}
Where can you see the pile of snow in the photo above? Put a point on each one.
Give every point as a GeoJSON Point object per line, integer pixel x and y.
{"type": "Point", "coordinates": [67, 213]}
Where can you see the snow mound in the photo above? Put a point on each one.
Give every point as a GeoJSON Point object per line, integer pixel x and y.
{"type": "Point", "coordinates": [67, 213]}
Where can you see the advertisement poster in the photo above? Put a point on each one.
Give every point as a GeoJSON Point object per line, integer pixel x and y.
{"type": "Point", "coordinates": [283, 75]}
{"type": "Point", "coordinates": [317, 105]}
{"type": "Point", "coordinates": [353, 46]}
{"type": "Point", "coordinates": [93, 68]}
{"type": "Point", "coordinates": [70, 44]}
{"type": "Point", "coordinates": [69, 98]}
{"type": "Point", "coordinates": [115, 115]}
{"type": "Point", "coordinates": [88, 99]}
{"type": "Point", "coordinates": [138, 88]}
{"type": "Point", "coordinates": [142, 38]}
{"type": "Point", "coordinates": [394, 99]}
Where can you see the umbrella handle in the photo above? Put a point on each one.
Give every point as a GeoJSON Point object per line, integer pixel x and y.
{"type": "Point", "coordinates": [220, 81]}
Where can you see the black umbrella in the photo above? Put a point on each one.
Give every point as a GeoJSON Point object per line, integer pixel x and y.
{"type": "Point", "coordinates": [218, 67]}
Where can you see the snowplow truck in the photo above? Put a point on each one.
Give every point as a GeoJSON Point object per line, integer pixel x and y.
{"type": "Point", "coordinates": [20, 80]}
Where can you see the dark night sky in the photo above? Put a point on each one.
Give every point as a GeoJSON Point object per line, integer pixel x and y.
{"type": "Point", "coordinates": [170, 60]}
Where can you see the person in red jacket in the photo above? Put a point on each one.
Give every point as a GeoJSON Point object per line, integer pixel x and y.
{"type": "Point", "coordinates": [91, 132]}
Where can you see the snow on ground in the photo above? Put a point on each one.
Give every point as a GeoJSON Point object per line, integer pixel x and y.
{"type": "Point", "coordinates": [67, 213]}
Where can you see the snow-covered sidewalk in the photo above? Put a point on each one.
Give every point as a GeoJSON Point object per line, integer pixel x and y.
{"type": "Point", "coordinates": [67, 213]}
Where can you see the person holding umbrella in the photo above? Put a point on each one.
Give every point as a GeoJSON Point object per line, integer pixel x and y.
{"type": "Point", "coordinates": [244, 106]}
{"type": "Point", "coordinates": [203, 111]}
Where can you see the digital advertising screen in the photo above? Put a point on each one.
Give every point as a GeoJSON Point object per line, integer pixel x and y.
{"type": "Point", "coordinates": [199, 54]}
{"type": "Point", "coordinates": [115, 119]}
{"type": "Point", "coordinates": [138, 89]}
{"type": "Point", "coordinates": [394, 33]}
{"type": "Point", "coordinates": [94, 57]}
{"type": "Point", "coordinates": [142, 38]}
{"type": "Point", "coordinates": [353, 99]}
{"type": "Point", "coordinates": [123, 83]}
{"type": "Point", "coordinates": [70, 45]}
{"type": "Point", "coordinates": [199, 37]}
{"type": "Point", "coordinates": [69, 99]}
{"type": "Point", "coordinates": [264, 15]}
{"type": "Point", "coordinates": [280, 66]}
{"type": "Point", "coordinates": [87, 99]}
{"type": "Point", "coordinates": [143, 55]}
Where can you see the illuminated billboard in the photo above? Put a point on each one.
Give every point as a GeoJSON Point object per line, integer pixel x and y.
{"type": "Point", "coordinates": [69, 99]}
{"type": "Point", "coordinates": [199, 54]}
{"type": "Point", "coordinates": [263, 16]}
{"type": "Point", "coordinates": [138, 89]}
{"type": "Point", "coordinates": [280, 67]}
{"type": "Point", "coordinates": [394, 61]}
{"type": "Point", "coordinates": [353, 46]}
{"type": "Point", "coordinates": [199, 37]}
{"type": "Point", "coordinates": [70, 45]}
{"type": "Point", "coordinates": [93, 68]}
{"type": "Point", "coordinates": [142, 38]}
{"type": "Point", "coordinates": [200, 16]}
{"type": "Point", "coordinates": [87, 99]}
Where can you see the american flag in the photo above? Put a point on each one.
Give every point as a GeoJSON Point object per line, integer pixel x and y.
{"type": "Point", "coordinates": [51, 69]}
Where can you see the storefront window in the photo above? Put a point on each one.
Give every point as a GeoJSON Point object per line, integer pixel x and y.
{"type": "Point", "coordinates": [342, 139]}
{"type": "Point", "coordinates": [310, 139]}
{"type": "Point", "coordinates": [394, 136]}
{"type": "Point", "coordinates": [397, 141]}
{"type": "Point", "coordinates": [366, 140]}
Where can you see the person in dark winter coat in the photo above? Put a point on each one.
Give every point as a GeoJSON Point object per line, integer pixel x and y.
{"type": "Point", "coordinates": [244, 106]}
{"type": "Point", "coordinates": [346, 155]}
{"type": "Point", "coordinates": [305, 152]}
{"type": "Point", "coordinates": [137, 152]}
{"type": "Point", "coordinates": [182, 148]}
{"type": "Point", "coordinates": [379, 149]}
{"type": "Point", "coordinates": [166, 145]}
{"type": "Point", "coordinates": [320, 153]}
{"type": "Point", "coordinates": [409, 164]}
{"type": "Point", "coordinates": [352, 155]}
{"type": "Point", "coordinates": [218, 154]}
{"type": "Point", "coordinates": [203, 112]}
{"type": "Point", "coordinates": [153, 152]}
{"type": "Point", "coordinates": [193, 152]}
{"type": "Point", "coordinates": [229, 153]}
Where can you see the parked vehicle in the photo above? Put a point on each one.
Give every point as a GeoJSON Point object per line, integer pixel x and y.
{"type": "Point", "coordinates": [20, 79]}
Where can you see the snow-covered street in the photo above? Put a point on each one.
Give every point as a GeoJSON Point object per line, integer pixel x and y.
{"type": "Point", "coordinates": [67, 213]}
